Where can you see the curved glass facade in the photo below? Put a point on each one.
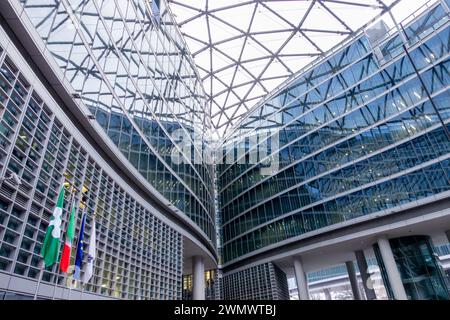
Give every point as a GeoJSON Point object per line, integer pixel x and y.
{"type": "Point", "coordinates": [130, 66]}
{"type": "Point", "coordinates": [364, 130]}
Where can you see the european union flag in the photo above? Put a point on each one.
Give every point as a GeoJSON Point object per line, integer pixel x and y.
{"type": "Point", "coordinates": [80, 253]}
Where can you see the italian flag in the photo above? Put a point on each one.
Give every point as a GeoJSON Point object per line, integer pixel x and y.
{"type": "Point", "coordinates": [65, 258]}
{"type": "Point", "coordinates": [50, 247]}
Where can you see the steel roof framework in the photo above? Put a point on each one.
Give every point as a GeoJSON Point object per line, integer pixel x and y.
{"type": "Point", "coordinates": [244, 49]}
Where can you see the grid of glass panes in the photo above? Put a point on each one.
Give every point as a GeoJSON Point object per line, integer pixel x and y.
{"type": "Point", "coordinates": [281, 289]}
{"type": "Point", "coordinates": [121, 61]}
{"type": "Point", "coordinates": [362, 125]}
{"type": "Point", "coordinates": [138, 256]}
{"type": "Point", "coordinates": [370, 82]}
{"type": "Point", "coordinates": [261, 282]}
{"type": "Point", "coordinates": [327, 67]}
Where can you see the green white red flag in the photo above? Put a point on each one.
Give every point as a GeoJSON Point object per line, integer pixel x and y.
{"type": "Point", "coordinates": [65, 257]}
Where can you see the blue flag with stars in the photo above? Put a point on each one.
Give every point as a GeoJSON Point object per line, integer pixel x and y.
{"type": "Point", "coordinates": [80, 253]}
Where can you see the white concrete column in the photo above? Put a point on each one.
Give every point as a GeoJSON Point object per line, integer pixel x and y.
{"type": "Point", "coordinates": [392, 272]}
{"type": "Point", "coordinates": [300, 278]}
{"type": "Point", "coordinates": [353, 280]}
{"type": "Point", "coordinates": [363, 271]}
{"type": "Point", "coordinates": [198, 278]}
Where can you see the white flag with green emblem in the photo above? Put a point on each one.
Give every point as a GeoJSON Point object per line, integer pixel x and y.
{"type": "Point", "coordinates": [50, 247]}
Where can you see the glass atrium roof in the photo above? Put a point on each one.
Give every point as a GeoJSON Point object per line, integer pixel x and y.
{"type": "Point", "coordinates": [245, 49]}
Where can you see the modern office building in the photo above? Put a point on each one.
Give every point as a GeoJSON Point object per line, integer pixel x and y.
{"type": "Point", "coordinates": [91, 92]}
{"type": "Point", "coordinates": [360, 141]}
{"type": "Point", "coordinates": [220, 154]}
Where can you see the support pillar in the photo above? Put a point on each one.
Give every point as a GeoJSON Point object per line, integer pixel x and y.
{"type": "Point", "coordinates": [300, 278]}
{"type": "Point", "coordinates": [327, 294]}
{"type": "Point", "coordinates": [198, 278]}
{"type": "Point", "coordinates": [447, 233]}
{"type": "Point", "coordinates": [353, 280]}
{"type": "Point", "coordinates": [363, 271]}
{"type": "Point", "coordinates": [392, 272]}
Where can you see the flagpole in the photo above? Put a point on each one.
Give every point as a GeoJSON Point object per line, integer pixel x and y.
{"type": "Point", "coordinates": [80, 248]}
{"type": "Point", "coordinates": [70, 290]}
{"type": "Point", "coordinates": [56, 282]}
{"type": "Point", "coordinates": [41, 267]}
{"type": "Point", "coordinates": [82, 282]}
{"type": "Point", "coordinates": [67, 278]}
{"type": "Point", "coordinates": [51, 243]}
{"type": "Point", "coordinates": [82, 291]}
{"type": "Point", "coordinates": [59, 264]}
{"type": "Point", "coordinates": [93, 230]}
{"type": "Point", "coordinates": [67, 274]}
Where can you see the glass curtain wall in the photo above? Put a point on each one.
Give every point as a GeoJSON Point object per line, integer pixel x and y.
{"type": "Point", "coordinates": [130, 66]}
{"type": "Point", "coordinates": [359, 133]}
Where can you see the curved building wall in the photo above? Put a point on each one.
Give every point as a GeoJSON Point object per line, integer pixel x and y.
{"type": "Point", "coordinates": [131, 67]}
{"type": "Point", "coordinates": [364, 130]}
{"type": "Point", "coordinates": [139, 254]}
